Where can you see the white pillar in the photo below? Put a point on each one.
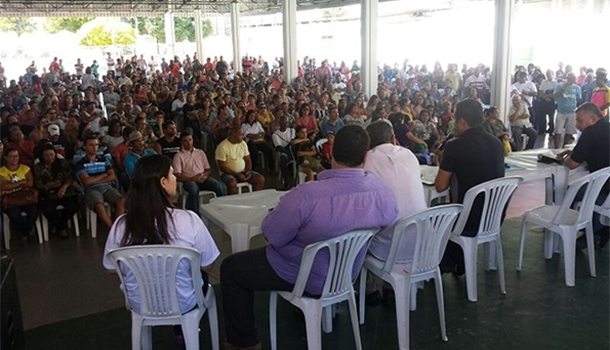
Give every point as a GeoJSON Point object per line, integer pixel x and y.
{"type": "Point", "coordinates": [199, 35]}
{"type": "Point", "coordinates": [235, 16]}
{"type": "Point", "coordinates": [502, 67]}
{"type": "Point", "coordinates": [368, 66]}
{"type": "Point", "coordinates": [170, 33]}
{"type": "Point", "coordinates": [289, 21]}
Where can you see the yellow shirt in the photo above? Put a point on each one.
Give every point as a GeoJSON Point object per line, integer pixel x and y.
{"type": "Point", "coordinates": [14, 176]}
{"type": "Point", "coordinates": [455, 78]}
{"type": "Point", "coordinates": [265, 118]}
{"type": "Point", "coordinates": [233, 155]}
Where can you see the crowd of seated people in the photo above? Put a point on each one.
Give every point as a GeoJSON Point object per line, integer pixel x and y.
{"type": "Point", "coordinates": [100, 126]}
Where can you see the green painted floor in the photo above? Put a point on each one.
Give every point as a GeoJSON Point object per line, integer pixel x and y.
{"type": "Point", "coordinates": [538, 311]}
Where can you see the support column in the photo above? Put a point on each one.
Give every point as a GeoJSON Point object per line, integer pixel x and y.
{"type": "Point", "coordinates": [199, 35]}
{"type": "Point", "coordinates": [289, 21]}
{"type": "Point", "coordinates": [235, 35]}
{"type": "Point", "coordinates": [502, 67]}
{"type": "Point", "coordinates": [368, 66]}
{"type": "Point", "coordinates": [170, 33]}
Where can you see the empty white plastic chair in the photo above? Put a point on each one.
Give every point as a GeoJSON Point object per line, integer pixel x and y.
{"type": "Point", "coordinates": [433, 228]}
{"type": "Point", "coordinates": [338, 287]}
{"type": "Point", "coordinates": [566, 222]}
{"type": "Point", "coordinates": [155, 268]}
{"type": "Point", "coordinates": [7, 230]}
{"type": "Point", "coordinates": [496, 195]}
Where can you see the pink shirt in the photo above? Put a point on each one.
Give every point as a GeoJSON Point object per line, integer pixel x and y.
{"type": "Point", "coordinates": [190, 163]}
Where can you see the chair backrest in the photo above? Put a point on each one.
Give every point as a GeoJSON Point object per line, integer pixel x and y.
{"type": "Point", "coordinates": [319, 144]}
{"type": "Point", "coordinates": [155, 268]}
{"type": "Point", "coordinates": [433, 227]}
{"type": "Point", "coordinates": [594, 182]}
{"type": "Point", "coordinates": [496, 194]}
{"type": "Point", "coordinates": [343, 251]}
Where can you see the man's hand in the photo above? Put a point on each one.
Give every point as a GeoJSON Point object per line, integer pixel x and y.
{"type": "Point", "coordinates": [241, 177]}
{"type": "Point", "coordinates": [563, 155]}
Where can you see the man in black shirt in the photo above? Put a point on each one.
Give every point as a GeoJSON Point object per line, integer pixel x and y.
{"type": "Point", "coordinates": [169, 144]}
{"type": "Point", "coordinates": [592, 147]}
{"type": "Point", "coordinates": [473, 157]}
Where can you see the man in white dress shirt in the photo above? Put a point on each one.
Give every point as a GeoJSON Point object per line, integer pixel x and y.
{"type": "Point", "coordinates": [399, 169]}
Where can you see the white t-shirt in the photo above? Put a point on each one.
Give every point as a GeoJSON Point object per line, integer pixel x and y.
{"type": "Point", "coordinates": [110, 63]}
{"type": "Point", "coordinates": [548, 85]}
{"type": "Point", "coordinates": [528, 86]}
{"type": "Point", "coordinates": [398, 168]}
{"type": "Point", "coordinates": [177, 105]}
{"type": "Point", "coordinates": [187, 230]}
{"type": "Point", "coordinates": [255, 128]}
{"type": "Point", "coordinates": [283, 139]}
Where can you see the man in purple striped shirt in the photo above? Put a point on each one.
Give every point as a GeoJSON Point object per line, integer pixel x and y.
{"type": "Point", "coordinates": [343, 199]}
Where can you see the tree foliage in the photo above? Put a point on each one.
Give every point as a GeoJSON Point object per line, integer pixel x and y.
{"type": "Point", "coordinates": [107, 33]}
{"type": "Point", "coordinates": [184, 27]}
{"type": "Point", "coordinates": [71, 24]}
{"type": "Point", "coordinates": [19, 25]}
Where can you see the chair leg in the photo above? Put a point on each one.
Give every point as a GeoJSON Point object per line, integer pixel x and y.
{"type": "Point", "coordinates": [190, 330]}
{"type": "Point", "coordinates": [402, 291]}
{"type": "Point", "coordinates": [440, 300]}
{"type": "Point", "coordinates": [213, 319]}
{"type": "Point", "coordinates": [93, 220]}
{"type": "Point", "coordinates": [361, 292]}
{"type": "Point", "coordinates": [313, 323]}
{"type": "Point", "coordinates": [273, 319]}
{"type": "Point", "coordinates": [136, 332]}
{"type": "Point", "coordinates": [413, 297]}
{"type": "Point", "coordinates": [147, 338]}
{"type": "Point", "coordinates": [39, 229]}
{"type": "Point", "coordinates": [76, 226]}
{"type": "Point", "coordinates": [45, 227]}
{"type": "Point", "coordinates": [500, 262]}
{"type": "Point", "coordinates": [569, 255]}
{"type": "Point", "coordinates": [591, 248]}
{"type": "Point", "coordinates": [327, 319]}
{"type": "Point", "coordinates": [7, 231]}
{"type": "Point", "coordinates": [522, 241]}
{"type": "Point", "coordinates": [353, 313]}
{"type": "Point", "coordinates": [470, 262]}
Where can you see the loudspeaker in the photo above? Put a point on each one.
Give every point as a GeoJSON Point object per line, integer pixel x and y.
{"type": "Point", "coordinates": [11, 323]}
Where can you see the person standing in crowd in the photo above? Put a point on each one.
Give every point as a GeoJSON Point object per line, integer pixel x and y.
{"type": "Point", "coordinates": [546, 100]}
{"type": "Point", "coordinates": [593, 147]}
{"type": "Point", "coordinates": [471, 158]}
{"type": "Point", "coordinates": [567, 94]}
{"type": "Point", "coordinates": [601, 95]}
{"type": "Point", "coordinates": [527, 91]}
{"type": "Point", "coordinates": [302, 217]}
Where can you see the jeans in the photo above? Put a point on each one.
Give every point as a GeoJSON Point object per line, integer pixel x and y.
{"type": "Point", "coordinates": [192, 188]}
{"type": "Point", "coordinates": [59, 218]}
{"type": "Point", "coordinates": [23, 224]}
{"type": "Point", "coordinates": [544, 109]}
{"type": "Point", "coordinates": [243, 274]}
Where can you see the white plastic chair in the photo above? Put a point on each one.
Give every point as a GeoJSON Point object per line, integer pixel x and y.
{"type": "Point", "coordinates": [45, 224]}
{"type": "Point", "coordinates": [343, 251]}
{"type": "Point", "coordinates": [7, 230]}
{"type": "Point", "coordinates": [433, 230]}
{"type": "Point", "coordinates": [604, 211]}
{"type": "Point", "coordinates": [319, 144]}
{"type": "Point", "coordinates": [92, 219]}
{"type": "Point", "coordinates": [566, 222]}
{"type": "Point", "coordinates": [155, 268]}
{"type": "Point", "coordinates": [242, 185]}
{"type": "Point", "coordinates": [496, 195]}
{"type": "Point", "coordinates": [183, 195]}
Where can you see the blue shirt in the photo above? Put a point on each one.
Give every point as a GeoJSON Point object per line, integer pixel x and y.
{"type": "Point", "coordinates": [340, 201]}
{"type": "Point", "coordinates": [327, 126]}
{"type": "Point", "coordinates": [566, 104]}
{"type": "Point", "coordinates": [132, 158]}
{"type": "Point", "coordinates": [95, 167]}
{"type": "Point", "coordinates": [587, 90]}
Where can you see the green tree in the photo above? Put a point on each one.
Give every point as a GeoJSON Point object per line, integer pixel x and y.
{"type": "Point", "coordinates": [101, 35]}
{"type": "Point", "coordinates": [19, 25]}
{"type": "Point", "coordinates": [71, 24]}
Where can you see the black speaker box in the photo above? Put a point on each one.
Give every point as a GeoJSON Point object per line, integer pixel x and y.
{"type": "Point", "coordinates": [11, 323]}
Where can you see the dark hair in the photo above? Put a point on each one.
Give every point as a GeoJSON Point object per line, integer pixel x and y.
{"type": "Point", "coordinates": [397, 118]}
{"type": "Point", "coordinates": [490, 110]}
{"type": "Point", "coordinates": [592, 108]}
{"type": "Point", "coordinates": [127, 131]}
{"type": "Point", "coordinates": [168, 123]}
{"type": "Point", "coordinates": [521, 75]}
{"type": "Point", "coordinates": [9, 150]}
{"type": "Point", "coordinates": [111, 125]}
{"type": "Point", "coordinates": [56, 166]}
{"type": "Point", "coordinates": [351, 145]}
{"type": "Point", "coordinates": [90, 136]}
{"type": "Point", "coordinates": [471, 111]}
{"type": "Point", "coordinates": [249, 113]}
{"type": "Point", "coordinates": [147, 224]}
{"type": "Point", "coordinates": [185, 134]}
{"type": "Point", "coordinates": [299, 128]}
{"type": "Point", "coordinates": [380, 132]}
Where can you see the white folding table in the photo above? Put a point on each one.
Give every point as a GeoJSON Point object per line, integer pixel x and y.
{"type": "Point", "coordinates": [240, 216]}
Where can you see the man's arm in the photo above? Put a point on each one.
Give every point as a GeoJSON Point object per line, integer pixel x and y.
{"type": "Point", "coordinates": [222, 165]}
{"type": "Point", "coordinates": [442, 181]}
{"type": "Point", "coordinates": [90, 180]}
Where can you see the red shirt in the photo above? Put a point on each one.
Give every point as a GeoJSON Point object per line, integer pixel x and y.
{"type": "Point", "coordinates": [119, 152]}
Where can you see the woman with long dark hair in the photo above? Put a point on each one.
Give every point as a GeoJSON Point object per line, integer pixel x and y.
{"type": "Point", "coordinates": [152, 219]}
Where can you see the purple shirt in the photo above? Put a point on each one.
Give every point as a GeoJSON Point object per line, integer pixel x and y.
{"type": "Point", "coordinates": [340, 201]}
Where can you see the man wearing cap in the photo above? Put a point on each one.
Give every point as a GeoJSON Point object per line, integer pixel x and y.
{"type": "Point", "coordinates": [333, 123]}
{"type": "Point", "coordinates": [192, 168]}
{"type": "Point", "coordinates": [61, 144]}
{"type": "Point", "coordinates": [136, 141]}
